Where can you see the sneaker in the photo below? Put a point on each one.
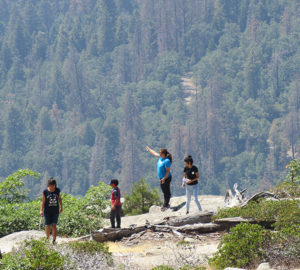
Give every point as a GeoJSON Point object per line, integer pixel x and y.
{"type": "Point", "coordinates": [187, 212]}
{"type": "Point", "coordinates": [54, 241]}
{"type": "Point", "coordinates": [163, 209]}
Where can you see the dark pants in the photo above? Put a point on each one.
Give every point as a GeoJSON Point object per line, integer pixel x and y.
{"type": "Point", "coordinates": [116, 214]}
{"type": "Point", "coordinates": [165, 187]}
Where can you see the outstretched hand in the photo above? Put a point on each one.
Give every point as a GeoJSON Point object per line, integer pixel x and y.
{"type": "Point", "coordinates": [151, 151]}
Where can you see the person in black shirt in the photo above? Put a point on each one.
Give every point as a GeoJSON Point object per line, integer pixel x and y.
{"type": "Point", "coordinates": [190, 182]}
{"type": "Point", "coordinates": [51, 206]}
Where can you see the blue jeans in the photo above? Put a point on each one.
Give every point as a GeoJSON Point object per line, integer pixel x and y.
{"type": "Point", "coordinates": [192, 189]}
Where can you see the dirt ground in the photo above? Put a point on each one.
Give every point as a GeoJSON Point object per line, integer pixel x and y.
{"type": "Point", "coordinates": [151, 249]}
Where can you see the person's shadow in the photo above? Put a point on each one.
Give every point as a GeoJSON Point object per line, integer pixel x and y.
{"type": "Point", "coordinates": [177, 207]}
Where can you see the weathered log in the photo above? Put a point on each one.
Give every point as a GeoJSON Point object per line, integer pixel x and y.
{"type": "Point", "coordinates": [259, 195]}
{"type": "Point", "coordinates": [189, 219]}
{"type": "Point", "coordinates": [227, 223]}
{"type": "Point", "coordinates": [197, 228]}
{"type": "Point", "coordinates": [112, 234]}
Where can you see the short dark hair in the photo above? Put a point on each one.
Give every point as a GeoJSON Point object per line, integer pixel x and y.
{"type": "Point", "coordinates": [114, 181]}
{"type": "Point", "coordinates": [51, 182]}
{"type": "Point", "coordinates": [188, 159]}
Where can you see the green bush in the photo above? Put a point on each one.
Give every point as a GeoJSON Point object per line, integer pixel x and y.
{"type": "Point", "coordinates": [162, 267]}
{"type": "Point", "coordinates": [141, 198]}
{"type": "Point", "coordinates": [34, 254]}
{"type": "Point", "coordinates": [291, 186]}
{"type": "Point", "coordinates": [91, 248]}
{"type": "Point", "coordinates": [283, 213]}
{"type": "Point", "coordinates": [80, 216]}
{"type": "Point", "coordinates": [241, 247]}
{"type": "Point", "coordinates": [19, 216]}
{"type": "Point", "coordinates": [11, 189]}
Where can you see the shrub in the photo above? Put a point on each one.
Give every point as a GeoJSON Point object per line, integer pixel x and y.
{"type": "Point", "coordinates": [34, 254]}
{"type": "Point", "coordinates": [87, 255]}
{"type": "Point", "coordinates": [241, 247]}
{"type": "Point", "coordinates": [141, 198]}
{"type": "Point", "coordinates": [11, 189]}
{"type": "Point", "coordinates": [162, 267]}
{"type": "Point", "coordinates": [81, 216]}
{"type": "Point", "coordinates": [19, 216]}
{"type": "Point", "coordinates": [291, 186]}
{"type": "Point", "coordinates": [283, 213]}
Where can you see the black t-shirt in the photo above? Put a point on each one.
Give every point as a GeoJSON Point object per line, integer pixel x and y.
{"type": "Point", "coordinates": [191, 174]}
{"type": "Point", "coordinates": [51, 204]}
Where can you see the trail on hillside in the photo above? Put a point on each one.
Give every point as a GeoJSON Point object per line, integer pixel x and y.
{"type": "Point", "coordinates": [188, 86]}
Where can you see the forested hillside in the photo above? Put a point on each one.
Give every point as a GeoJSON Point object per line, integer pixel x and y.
{"type": "Point", "coordinates": [85, 85]}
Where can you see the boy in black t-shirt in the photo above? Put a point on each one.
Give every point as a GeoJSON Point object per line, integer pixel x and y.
{"type": "Point", "coordinates": [190, 182]}
{"type": "Point", "coordinates": [51, 206]}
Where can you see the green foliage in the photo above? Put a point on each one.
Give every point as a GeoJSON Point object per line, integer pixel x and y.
{"type": "Point", "coordinates": [291, 186]}
{"type": "Point", "coordinates": [283, 244]}
{"type": "Point", "coordinates": [163, 267]}
{"type": "Point", "coordinates": [11, 189]}
{"type": "Point", "coordinates": [241, 247]}
{"type": "Point", "coordinates": [65, 67]}
{"type": "Point", "coordinates": [188, 267]}
{"type": "Point", "coordinates": [140, 199]}
{"type": "Point", "coordinates": [34, 254]}
{"type": "Point", "coordinates": [283, 213]}
{"type": "Point", "coordinates": [19, 217]}
{"type": "Point", "coordinates": [81, 216]}
{"type": "Point", "coordinates": [90, 247]}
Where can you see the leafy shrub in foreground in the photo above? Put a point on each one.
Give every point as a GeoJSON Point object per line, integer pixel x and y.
{"type": "Point", "coordinates": [34, 254]}
{"type": "Point", "coordinates": [19, 216]}
{"type": "Point", "coordinates": [87, 254]}
{"type": "Point", "coordinates": [241, 247]}
{"type": "Point", "coordinates": [90, 247]}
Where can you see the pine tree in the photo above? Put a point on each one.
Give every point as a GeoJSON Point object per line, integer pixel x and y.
{"type": "Point", "coordinates": [131, 132]}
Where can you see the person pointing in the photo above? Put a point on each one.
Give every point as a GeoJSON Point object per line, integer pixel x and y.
{"type": "Point", "coordinates": [163, 173]}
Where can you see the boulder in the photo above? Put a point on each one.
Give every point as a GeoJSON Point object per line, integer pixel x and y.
{"type": "Point", "coordinates": [264, 266]}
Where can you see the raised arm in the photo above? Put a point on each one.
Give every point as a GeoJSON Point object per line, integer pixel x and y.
{"type": "Point", "coordinates": [152, 151]}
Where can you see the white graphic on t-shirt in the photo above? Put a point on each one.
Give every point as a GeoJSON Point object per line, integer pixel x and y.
{"type": "Point", "coordinates": [52, 200]}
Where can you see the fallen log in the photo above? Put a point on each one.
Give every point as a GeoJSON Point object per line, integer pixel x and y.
{"type": "Point", "coordinates": [227, 223]}
{"type": "Point", "coordinates": [259, 195]}
{"type": "Point", "coordinates": [113, 234]}
{"type": "Point", "coordinates": [194, 228]}
{"type": "Point", "coordinates": [201, 217]}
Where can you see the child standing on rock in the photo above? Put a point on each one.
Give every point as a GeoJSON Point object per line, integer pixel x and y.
{"type": "Point", "coordinates": [116, 206]}
{"type": "Point", "coordinates": [51, 206]}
